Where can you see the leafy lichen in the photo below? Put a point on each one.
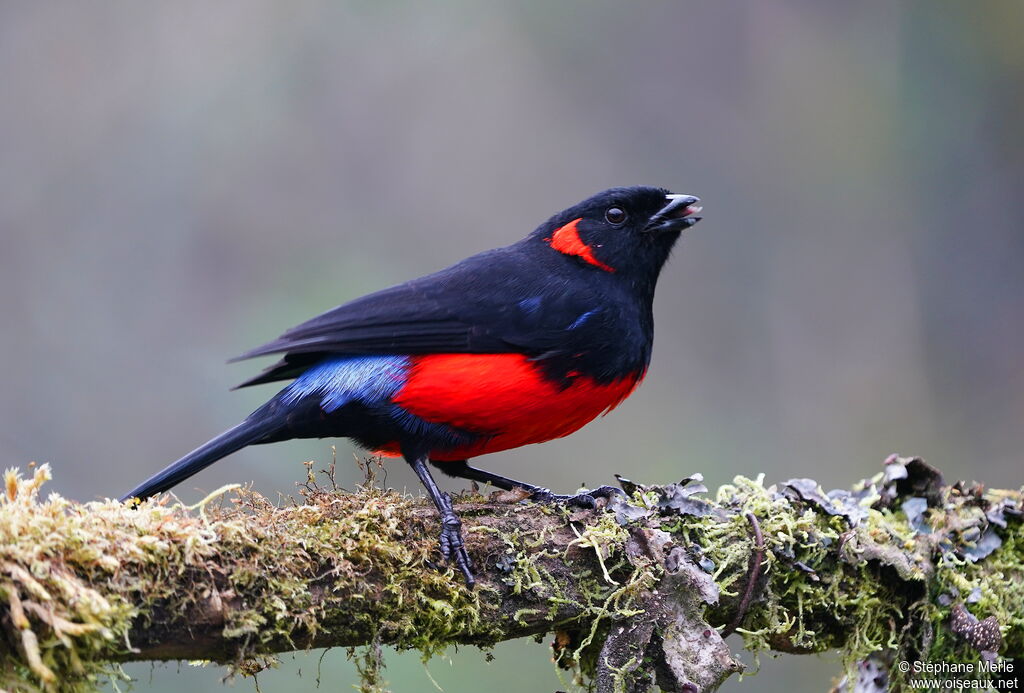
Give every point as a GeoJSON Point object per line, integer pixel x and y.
{"type": "Point", "coordinates": [879, 585]}
{"type": "Point", "coordinates": [83, 586]}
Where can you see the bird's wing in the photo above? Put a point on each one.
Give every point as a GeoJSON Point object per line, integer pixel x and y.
{"type": "Point", "coordinates": [485, 304]}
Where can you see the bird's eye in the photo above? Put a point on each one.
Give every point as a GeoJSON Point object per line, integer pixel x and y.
{"type": "Point", "coordinates": [615, 215]}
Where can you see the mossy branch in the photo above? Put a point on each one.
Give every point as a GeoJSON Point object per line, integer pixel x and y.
{"type": "Point", "coordinates": [636, 593]}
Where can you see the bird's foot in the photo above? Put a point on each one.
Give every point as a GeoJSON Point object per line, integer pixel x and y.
{"type": "Point", "coordinates": [453, 548]}
{"type": "Point", "coordinates": [585, 499]}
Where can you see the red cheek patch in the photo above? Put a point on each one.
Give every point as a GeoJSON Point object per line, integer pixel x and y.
{"type": "Point", "coordinates": [567, 240]}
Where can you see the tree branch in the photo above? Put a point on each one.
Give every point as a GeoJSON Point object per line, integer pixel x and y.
{"type": "Point", "coordinates": [635, 593]}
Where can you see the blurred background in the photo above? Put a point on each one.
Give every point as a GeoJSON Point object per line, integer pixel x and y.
{"type": "Point", "coordinates": [180, 182]}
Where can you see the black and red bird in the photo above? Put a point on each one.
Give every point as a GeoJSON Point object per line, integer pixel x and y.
{"type": "Point", "coordinates": [513, 346]}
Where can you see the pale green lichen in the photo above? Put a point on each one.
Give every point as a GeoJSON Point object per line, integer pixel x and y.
{"type": "Point", "coordinates": [78, 579]}
{"type": "Point", "coordinates": [598, 599]}
{"type": "Point", "coordinates": [856, 606]}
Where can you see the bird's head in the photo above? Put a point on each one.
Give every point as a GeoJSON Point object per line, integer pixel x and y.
{"type": "Point", "coordinates": [622, 231]}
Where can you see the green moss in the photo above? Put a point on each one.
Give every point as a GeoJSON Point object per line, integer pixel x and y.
{"type": "Point", "coordinates": [850, 601]}
{"type": "Point", "coordinates": [793, 598]}
{"type": "Point", "coordinates": [59, 620]}
{"type": "Point", "coordinates": [999, 583]}
{"type": "Point", "coordinates": [75, 577]}
{"type": "Point", "coordinates": [79, 580]}
{"type": "Point", "coordinates": [596, 600]}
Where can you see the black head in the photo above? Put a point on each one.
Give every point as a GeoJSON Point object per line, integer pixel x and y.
{"type": "Point", "coordinates": [627, 232]}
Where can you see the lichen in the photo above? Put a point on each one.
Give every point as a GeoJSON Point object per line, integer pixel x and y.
{"type": "Point", "coordinates": [597, 600]}
{"type": "Point", "coordinates": [863, 589]}
{"type": "Point", "coordinates": [876, 574]}
{"type": "Point", "coordinates": [76, 578]}
{"type": "Point", "coordinates": [86, 584]}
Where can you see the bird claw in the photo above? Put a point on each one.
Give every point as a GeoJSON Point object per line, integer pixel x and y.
{"type": "Point", "coordinates": [453, 548]}
{"type": "Point", "coordinates": [586, 500]}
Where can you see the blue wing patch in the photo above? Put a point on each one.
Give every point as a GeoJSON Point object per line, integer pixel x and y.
{"type": "Point", "coordinates": [338, 381]}
{"type": "Point", "coordinates": [371, 381]}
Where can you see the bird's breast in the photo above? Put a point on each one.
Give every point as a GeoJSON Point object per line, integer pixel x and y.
{"type": "Point", "coordinates": [505, 398]}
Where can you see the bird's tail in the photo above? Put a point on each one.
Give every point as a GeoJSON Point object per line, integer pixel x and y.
{"type": "Point", "coordinates": [253, 430]}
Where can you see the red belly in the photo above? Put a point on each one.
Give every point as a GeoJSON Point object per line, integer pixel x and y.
{"type": "Point", "coordinates": [505, 397]}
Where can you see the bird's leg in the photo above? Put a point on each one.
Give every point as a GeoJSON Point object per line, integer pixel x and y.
{"type": "Point", "coordinates": [452, 546]}
{"type": "Point", "coordinates": [588, 499]}
{"type": "Point", "coordinates": [461, 470]}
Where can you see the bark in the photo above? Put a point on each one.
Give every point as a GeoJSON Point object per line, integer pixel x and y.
{"type": "Point", "coordinates": [636, 594]}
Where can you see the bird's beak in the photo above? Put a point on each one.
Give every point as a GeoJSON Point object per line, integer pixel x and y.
{"type": "Point", "coordinates": [677, 215]}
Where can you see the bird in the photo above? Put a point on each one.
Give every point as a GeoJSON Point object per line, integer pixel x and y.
{"type": "Point", "coordinates": [517, 345]}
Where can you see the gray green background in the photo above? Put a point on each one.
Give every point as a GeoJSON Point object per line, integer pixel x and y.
{"type": "Point", "coordinates": [181, 181]}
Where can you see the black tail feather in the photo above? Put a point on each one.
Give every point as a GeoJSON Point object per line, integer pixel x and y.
{"type": "Point", "coordinates": [252, 430]}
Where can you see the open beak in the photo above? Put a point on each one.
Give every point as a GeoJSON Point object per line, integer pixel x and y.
{"type": "Point", "coordinates": [680, 213]}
